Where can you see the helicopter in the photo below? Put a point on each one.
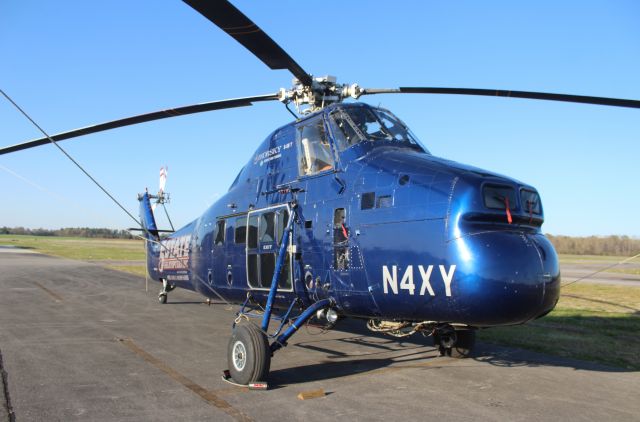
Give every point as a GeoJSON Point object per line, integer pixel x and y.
{"type": "Point", "coordinates": [343, 213]}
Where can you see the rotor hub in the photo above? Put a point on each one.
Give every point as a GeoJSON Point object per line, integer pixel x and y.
{"type": "Point", "coordinates": [322, 92]}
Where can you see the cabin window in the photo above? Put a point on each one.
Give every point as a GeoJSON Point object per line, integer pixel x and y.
{"type": "Point", "coordinates": [368, 200]}
{"type": "Point", "coordinates": [267, 227]}
{"type": "Point", "coordinates": [267, 267]}
{"type": "Point", "coordinates": [241, 230]}
{"type": "Point", "coordinates": [252, 242]}
{"type": "Point", "coordinates": [314, 152]}
{"type": "Point", "coordinates": [340, 240]}
{"type": "Point", "coordinates": [252, 268]}
{"type": "Point", "coordinates": [219, 235]}
{"type": "Point", "coordinates": [283, 218]}
{"type": "Point", "coordinates": [384, 201]}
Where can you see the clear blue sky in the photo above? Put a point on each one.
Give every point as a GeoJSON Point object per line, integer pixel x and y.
{"type": "Point", "coordinates": [75, 63]}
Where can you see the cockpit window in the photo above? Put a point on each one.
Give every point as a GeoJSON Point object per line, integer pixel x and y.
{"type": "Point", "coordinates": [352, 125]}
{"type": "Point", "coordinates": [315, 155]}
{"type": "Point", "coordinates": [345, 131]}
{"type": "Point", "coordinates": [530, 201]}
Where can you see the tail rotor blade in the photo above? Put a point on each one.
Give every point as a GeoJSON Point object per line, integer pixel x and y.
{"type": "Point", "coordinates": [163, 179]}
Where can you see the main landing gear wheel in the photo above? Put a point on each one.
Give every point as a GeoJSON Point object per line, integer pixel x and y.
{"type": "Point", "coordinates": [455, 344]}
{"type": "Point", "coordinates": [162, 298]}
{"type": "Point", "coordinates": [248, 354]}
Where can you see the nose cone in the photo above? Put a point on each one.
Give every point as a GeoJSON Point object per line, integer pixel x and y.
{"type": "Point", "coordinates": [505, 277]}
{"type": "Point", "coordinates": [550, 275]}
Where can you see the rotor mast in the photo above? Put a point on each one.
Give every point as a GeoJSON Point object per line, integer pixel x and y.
{"type": "Point", "coordinates": [322, 92]}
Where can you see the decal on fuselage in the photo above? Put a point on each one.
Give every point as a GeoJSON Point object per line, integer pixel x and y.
{"type": "Point", "coordinates": [390, 279]}
{"type": "Point", "coordinates": [174, 254]}
{"type": "Point", "coordinates": [271, 154]}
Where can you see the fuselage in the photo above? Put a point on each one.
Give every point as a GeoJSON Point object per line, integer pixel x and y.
{"type": "Point", "coordinates": [385, 228]}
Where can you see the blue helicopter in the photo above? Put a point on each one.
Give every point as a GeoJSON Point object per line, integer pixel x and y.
{"type": "Point", "coordinates": [343, 213]}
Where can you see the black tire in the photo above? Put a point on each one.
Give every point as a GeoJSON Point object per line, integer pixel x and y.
{"type": "Point", "coordinates": [248, 354]}
{"type": "Point", "coordinates": [463, 347]}
{"type": "Point", "coordinates": [162, 298]}
{"type": "Point", "coordinates": [436, 343]}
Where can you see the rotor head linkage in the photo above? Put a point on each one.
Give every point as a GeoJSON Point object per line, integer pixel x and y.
{"type": "Point", "coordinates": [322, 92]}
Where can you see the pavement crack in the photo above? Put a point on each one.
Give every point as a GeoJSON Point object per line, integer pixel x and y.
{"type": "Point", "coordinates": [11, 416]}
{"type": "Point", "coordinates": [51, 293]}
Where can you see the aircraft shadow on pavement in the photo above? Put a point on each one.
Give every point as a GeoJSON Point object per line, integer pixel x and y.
{"type": "Point", "coordinates": [380, 351]}
{"type": "Point", "coordinates": [513, 357]}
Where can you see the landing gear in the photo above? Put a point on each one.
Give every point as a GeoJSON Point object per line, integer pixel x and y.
{"type": "Point", "coordinates": [249, 352]}
{"type": "Point", "coordinates": [164, 293]}
{"type": "Point", "coordinates": [249, 355]}
{"type": "Point", "coordinates": [454, 343]}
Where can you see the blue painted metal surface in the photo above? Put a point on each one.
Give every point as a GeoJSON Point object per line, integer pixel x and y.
{"type": "Point", "coordinates": [146, 217]}
{"type": "Point", "coordinates": [429, 249]}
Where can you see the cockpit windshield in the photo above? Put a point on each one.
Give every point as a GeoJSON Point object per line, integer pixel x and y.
{"type": "Point", "coordinates": [352, 125]}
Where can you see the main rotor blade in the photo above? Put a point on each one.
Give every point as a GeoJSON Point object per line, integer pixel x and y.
{"type": "Point", "coordinates": [616, 102]}
{"type": "Point", "coordinates": [235, 23]}
{"type": "Point", "coordinates": [128, 121]}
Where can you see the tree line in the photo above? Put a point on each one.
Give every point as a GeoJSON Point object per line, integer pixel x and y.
{"type": "Point", "coordinates": [69, 232]}
{"type": "Point", "coordinates": [596, 245]}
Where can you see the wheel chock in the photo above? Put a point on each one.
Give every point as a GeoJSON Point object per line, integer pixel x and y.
{"type": "Point", "coordinates": [226, 376]}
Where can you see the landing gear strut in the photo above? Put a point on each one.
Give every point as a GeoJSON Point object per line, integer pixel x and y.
{"type": "Point", "coordinates": [454, 343]}
{"type": "Point", "coordinates": [249, 352]}
{"type": "Point", "coordinates": [166, 288]}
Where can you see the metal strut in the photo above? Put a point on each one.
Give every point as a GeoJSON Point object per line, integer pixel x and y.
{"type": "Point", "coordinates": [279, 263]}
{"type": "Point", "coordinates": [281, 340]}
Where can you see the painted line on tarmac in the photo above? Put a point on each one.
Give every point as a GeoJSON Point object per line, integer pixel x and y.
{"type": "Point", "coordinates": [51, 293]}
{"type": "Point", "coordinates": [205, 394]}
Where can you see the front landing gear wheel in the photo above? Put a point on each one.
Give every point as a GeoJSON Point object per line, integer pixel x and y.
{"type": "Point", "coordinates": [456, 344]}
{"type": "Point", "coordinates": [162, 298]}
{"type": "Point", "coordinates": [248, 354]}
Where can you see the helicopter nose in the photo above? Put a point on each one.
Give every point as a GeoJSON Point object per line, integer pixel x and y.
{"type": "Point", "coordinates": [551, 278]}
{"type": "Point", "coordinates": [507, 277]}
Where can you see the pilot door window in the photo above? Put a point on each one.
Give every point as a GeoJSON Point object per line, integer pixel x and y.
{"type": "Point", "coordinates": [314, 152]}
{"type": "Point", "coordinates": [264, 232]}
{"type": "Point", "coordinates": [218, 236]}
{"type": "Point", "coordinates": [241, 230]}
{"type": "Point", "coordinates": [340, 240]}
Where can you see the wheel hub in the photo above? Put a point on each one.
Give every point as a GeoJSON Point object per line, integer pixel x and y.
{"type": "Point", "coordinates": [239, 355]}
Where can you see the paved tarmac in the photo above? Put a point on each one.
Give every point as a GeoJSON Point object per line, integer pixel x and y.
{"type": "Point", "coordinates": [571, 272]}
{"type": "Point", "coordinates": [81, 342]}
